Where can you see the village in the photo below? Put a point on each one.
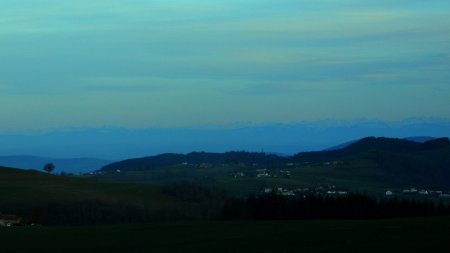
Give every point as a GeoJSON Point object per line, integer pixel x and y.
{"type": "Point", "coordinates": [419, 192]}
{"type": "Point", "coordinates": [263, 173]}
{"type": "Point", "coordinates": [306, 191]}
{"type": "Point", "coordinates": [332, 190]}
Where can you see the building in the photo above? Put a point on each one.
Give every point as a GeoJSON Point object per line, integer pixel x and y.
{"type": "Point", "coordinates": [8, 220]}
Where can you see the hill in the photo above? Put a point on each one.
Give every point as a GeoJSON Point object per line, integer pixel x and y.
{"type": "Point", "coordinates": [370, 144]}
{"type": "Point", "coordinates": [50, 199]}
{"type": "Point", "coordinates": [419, 139]}
{"type": "Point", "coordinates": [71, 165]}
{"type": "Point", "coordinates": [368, 163]}
{"type": "Point", "coordinates": [398, 162]}
{"type": "Point", "coordinates": [151, 162]}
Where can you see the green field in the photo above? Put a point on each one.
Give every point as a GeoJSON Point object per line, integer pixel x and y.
{"type": "Point", "coordinates": [23, 190]}
{"type": "Point", "coordinates": [28, 188]}
{"type": "Point", "coordinates": [401, 235]}
{"type": "Point", "coordinates": [359, 175]}
{"type": "Point", "coordinates": [59, 200]}
{"type": "Point", "coordinates": [371, 165]}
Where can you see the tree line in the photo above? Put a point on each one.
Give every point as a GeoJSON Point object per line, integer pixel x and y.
{"type": "Point", "coordinates": [204, 203]}
{"type": "Point", "coordinates": [352, 206]}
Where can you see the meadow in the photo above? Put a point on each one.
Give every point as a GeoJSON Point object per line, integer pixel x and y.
{"type": "Point", "coordinates": [397, 235]}
{"type": "Point", "coordinates": [28, 190]}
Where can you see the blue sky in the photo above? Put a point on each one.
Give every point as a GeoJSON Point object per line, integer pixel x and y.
{"type": "Point", "coordinates": [140, 64]}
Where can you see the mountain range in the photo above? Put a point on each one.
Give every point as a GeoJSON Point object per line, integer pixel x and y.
{"type": "Point", "coordinates": [118, 144]}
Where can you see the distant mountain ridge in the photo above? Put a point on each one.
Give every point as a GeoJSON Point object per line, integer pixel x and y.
{"type": "Point", "coordinates": [119, 143]}
{"type": "Point", "coordinates": [71, 165]}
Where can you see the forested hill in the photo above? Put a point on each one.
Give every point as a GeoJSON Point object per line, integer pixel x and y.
{"type": "Point", "coordinates": [373, 144]}
{"type": "Point", "coordinates": [396, 162]}
{"type": "Point", "coordinates": [434, 152]}
{"type": "Point", "coordinates": [147, 163]}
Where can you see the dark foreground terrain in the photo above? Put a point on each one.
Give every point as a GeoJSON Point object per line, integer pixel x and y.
{"type": "Point", "coordinates": [399, 235]}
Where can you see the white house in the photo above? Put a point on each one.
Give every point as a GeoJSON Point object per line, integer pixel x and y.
{"type": "Point", "coordinates": [8, 220]}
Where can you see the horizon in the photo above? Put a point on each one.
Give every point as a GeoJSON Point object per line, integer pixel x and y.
{"type": "Point", "coordinates": [122, 143]}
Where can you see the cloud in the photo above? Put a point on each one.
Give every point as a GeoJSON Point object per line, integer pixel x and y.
{"type": "Point", "coordinates": [123, 84]}
{"type": "Point", "coordinates": [234, 57]}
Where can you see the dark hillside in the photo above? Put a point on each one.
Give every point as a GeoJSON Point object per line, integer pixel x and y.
{"type": "Point", "coordinates": [402, 162]}
{"type": "Point", "coordinates": [148, 163]}
{"type": "Point", "coordinates": [386, 161]}
{"type": "Point", "coordinates": [59, 200]}
{"type": "Point", "coordinates": [369, 144]}
{"type": "Point", "coordinates": [389, 145]}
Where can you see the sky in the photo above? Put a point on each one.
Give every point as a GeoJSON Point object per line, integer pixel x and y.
{"type": "Point", "coordinates": [186, 63]}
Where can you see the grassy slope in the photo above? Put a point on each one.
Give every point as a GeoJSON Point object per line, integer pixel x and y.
{"type": "Point", "coordinates": [360, 172]}
{"type": "Point", "coordinates": [26, 188]}
{"type": "Point", "coordinates": [372, 165]}
{"type": "Point", "coordinates": [358, 175]}
{"type": "Point", "coordinates": [404, 235]}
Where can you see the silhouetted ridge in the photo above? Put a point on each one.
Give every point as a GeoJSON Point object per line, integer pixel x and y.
{"type": "Point", "coordinates": [398, 145]}
{"type": "Point", "coordinates": [384, 144]}
{"type": "Point", "coordinates": [372, 144]}
{"type": "Point", "coordinates": [436, 143]}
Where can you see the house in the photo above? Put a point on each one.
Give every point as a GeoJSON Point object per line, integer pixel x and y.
{"type": "Point", "coordinates": [423, 192]}
{"type": "Point", "coordinates": [8, 220]}
{"type": "Point", "coordinates": [262, 173]}
{"type": "Point", "coordinates": [268, 190]}
{"type": "Point", "coordinates": [288, 193]}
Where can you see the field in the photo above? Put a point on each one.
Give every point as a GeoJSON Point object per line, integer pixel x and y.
{"type": "Point", "coordinates": [401, 235]}
{"type": "Point", "coordinates": [28, 188]}
{"type": "Point", "coordinates": [356, 176]}
{"type": "Point", "coordinates": [48, 199]}
{"type": "Point", "coordinates": [372, 165]}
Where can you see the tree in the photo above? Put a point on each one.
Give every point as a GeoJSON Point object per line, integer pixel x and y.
{"type": "Point", "coordinates": [49, 167]}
